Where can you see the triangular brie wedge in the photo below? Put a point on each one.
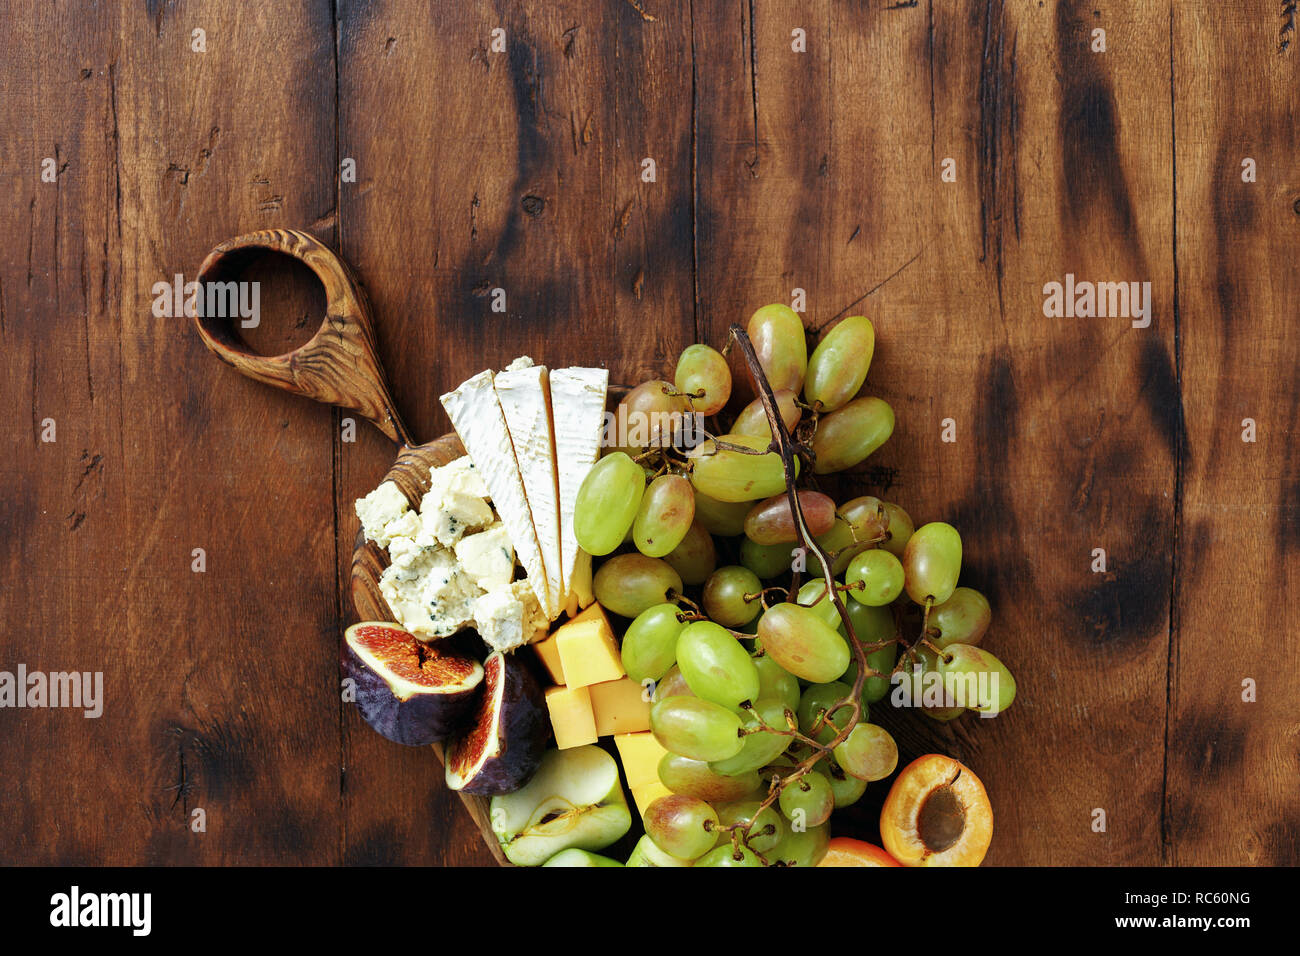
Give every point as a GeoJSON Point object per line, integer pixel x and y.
{"type": "Point", "coordinates": [479, 421]}
{"type": "Point", "coordinates": [524, 394]}
{"type": "Point", "coordinates": [578, 412]}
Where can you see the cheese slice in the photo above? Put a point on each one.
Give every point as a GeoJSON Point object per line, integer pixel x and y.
{"type": "Point", "coordinates": [578, 413]}
{"type": "Point", "coordinates": [524, 395]}
{"type": "Point", "coordinates": [477, 417]}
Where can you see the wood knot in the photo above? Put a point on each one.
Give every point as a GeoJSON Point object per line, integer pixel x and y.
{"type": "Point", "coordinates": [534, 205]}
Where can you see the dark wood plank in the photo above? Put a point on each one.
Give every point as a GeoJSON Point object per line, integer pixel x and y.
{"type": "Point", "coordinates": [1232, 795]}
{"type": "Point", "coordinates": [1048, 181]}
{"type": "Point", "coordinates": [220, 687]}
{"type": "Point", "coordinates": [516, 170]}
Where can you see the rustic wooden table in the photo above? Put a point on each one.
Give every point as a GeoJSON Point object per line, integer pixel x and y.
{"type": "Point", "coordinates": [635, 175]}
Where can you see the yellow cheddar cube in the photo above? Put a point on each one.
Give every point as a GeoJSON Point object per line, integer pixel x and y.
{"type": "Point", "coordinates": [571, 716]}
{"type": "Point", "coordinates": [647, 794]}
{"type": "Point", "coordinates": [588, 649]}
{"type": "Point", "coordinates": [619, 707]}
{"type": "Point", "coordinates": [640, 755]}
{"type": "Point", "coordinates": [549, 654]}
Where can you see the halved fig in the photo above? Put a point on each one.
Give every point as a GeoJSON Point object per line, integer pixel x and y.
{"type": "Point", "coordinates": [410, 692]}
{"type": "Point", "coordinates": [503, 746]}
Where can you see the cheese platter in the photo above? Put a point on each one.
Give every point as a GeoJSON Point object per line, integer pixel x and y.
{"type": "Point", "coordinates": [596, 615]}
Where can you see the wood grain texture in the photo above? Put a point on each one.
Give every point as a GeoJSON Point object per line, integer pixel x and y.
{"type": "Point", "coordinates": [337, 365]}
{"type": "Point", "coordinates": [521, 171]}
{"type": "Point", "coordinates": [1233, 765]}
{"type": "Point", "coordinates": [221, 686]}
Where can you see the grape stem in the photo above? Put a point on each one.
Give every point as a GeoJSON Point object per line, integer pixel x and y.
{"type": "Point", "coordinates": [787, 448]}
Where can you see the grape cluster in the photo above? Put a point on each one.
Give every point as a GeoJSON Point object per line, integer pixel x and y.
{"type": "Point", "coordinates": [762, 685]}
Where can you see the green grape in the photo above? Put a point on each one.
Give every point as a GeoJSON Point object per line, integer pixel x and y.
{"type": "Point", "coordinates": [731, 596]}
{"type": "Point", "coordinates": [759, 749]}
{"type": "Point", "coordinates": [839, 364]}
{"type": "Point", "coordinates": [628, 584]}
{"type": "Point", "coordinates": [696, 779]}
{"type": "Point", "coordinates": [932, 561]}
{"type": "Point", "coordinates": [962, 619]}
{"type": "Point", "coordinates": [695, 557]}
{"type": "Point", "coordinates": [816, 701]}
{"type": "Point", "coordinates": [753, 420]}
{"type": "Point", "coordinates": [876, 578]}
{"type": "Point", "coordinates": [772, 522]}
{"type": "Point", "coordinates": [776, 683]}
{"type": "Point", "coordinates": [681, 826]}
{"type": "Point", "coordinates": [650, 642]}
{"type": "Point", "coordinates": [813, 595]}
{"type": "Point", "coordinates": [781, 345]}
{"type": "Point", "coordinates": [730, 475]}
{"type": "Point", "coordinates": [873, 625]}
{"type": "Point", "coordinates": [899, 531]}
{"type": "Point", "coordinates": [943, 714]}
{"type": "Point", "coordinates": [848, 435]}
{"type": "Point", "coordinates": [607, 503]}
{"type": "Point", "coordinates": [650, 416]}
{"type": "Point", "coordinates": [934, 699]}
{"type": "Point", "coordinates": [716, 667]}
{"type": "Point", "coordinates": [808, 800]}
{"type": "Point", "coordinates": [973, 674]}
{"type": "Point", "coordinates": [672, 684]}
{"type": "Point", "coordinates": [696, 728]}
{"type": "Point", "coordinates": [869, 753]}
{"type": "Point", "coordinates": [724, 855]}
{"type": "Point", "coordinates": [868, 517]}
{"type": "Point", "coordinates": [801, 642]}
{"type": "Point", "coordinates": [665, 515]}
{"type": "Point", "coordinates": [764, 833]}
{"type": "Point", "coordinates": [847, 789]}
{"type": "Point", "coordinates": [802, 847]}
{"type": "Point", "coordinates": [724, 518]}
{"type": "Point", "coordinates": [704, 368]}
{"type": "Point", "coordinates": [766, 560]}
{"type": "Point", "coordinates": [840, 544]}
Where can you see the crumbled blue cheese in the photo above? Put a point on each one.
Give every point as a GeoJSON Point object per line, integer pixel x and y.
{"type": "Point", "coordinates": [449, 596]}
{"type": "Point", "coordinates": [408, 525]}
{"type": "Point", "coordinates": [488, 557]}
{"type": "Point", "coordinates": [460, 476]}
{"type": "Point", "coordinates": [510, 616]}
{"type": "Point", "coordinates": [379, 509]}
{"type": "Point", "coordinates": [452, 515]}
{"type": "Point", "coordinates": [452, 562]}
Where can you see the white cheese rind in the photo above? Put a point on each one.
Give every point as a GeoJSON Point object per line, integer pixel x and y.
{"type": "Point", "coordinates": [477, 417]}
{"type": "Point", "coordinates": [525, 399]}
{"type": "Point", "coordinates": [578, 413]}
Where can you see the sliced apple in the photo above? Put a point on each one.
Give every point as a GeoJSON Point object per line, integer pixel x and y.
{"type": "Point", "coordinates": [574, 800]}
{"type": "Point", "coordinates": [575, 857]}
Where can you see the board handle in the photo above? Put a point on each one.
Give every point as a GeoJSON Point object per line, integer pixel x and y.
{"type": "Point", "coordinates": [339, 364]}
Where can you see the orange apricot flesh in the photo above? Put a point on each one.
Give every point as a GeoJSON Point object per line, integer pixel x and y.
{"type": "Point", "coordinates": [937, 814]}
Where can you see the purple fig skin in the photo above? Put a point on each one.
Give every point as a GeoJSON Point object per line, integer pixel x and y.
{"type": "Point", "coordinates": [422, 719]}
{"type": "Point", "coordinates": [523, 727]}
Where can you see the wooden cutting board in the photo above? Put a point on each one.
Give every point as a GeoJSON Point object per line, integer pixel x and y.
{"type": "Point", "coordinates": [339, 366]}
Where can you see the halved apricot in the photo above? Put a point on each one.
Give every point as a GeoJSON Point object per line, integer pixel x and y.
{"type": "Point", "coordinates": [937, 814]}
{"type": "Point", "coordinates": [846, 851]}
